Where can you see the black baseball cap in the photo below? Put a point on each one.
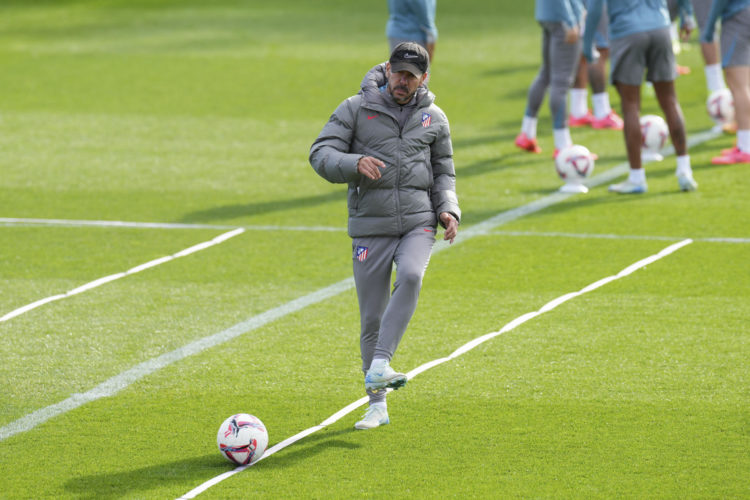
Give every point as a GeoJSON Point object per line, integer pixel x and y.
{"type": "Point", "coordinates": [411, 57]}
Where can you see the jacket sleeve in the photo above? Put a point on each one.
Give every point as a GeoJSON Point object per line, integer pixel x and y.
{"type": "Point", "coordinates": [329, 154]}
{"type": "Point", "coordinates": [444, 197]}
{"type": "Point", "coordinates": [593, 16]}
{"type": "Point", "coordinates": [707, 36]}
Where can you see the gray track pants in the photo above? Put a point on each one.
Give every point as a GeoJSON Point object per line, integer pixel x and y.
{"type": "Point", "coordinates": [559, 63]}
{"type": "Point", "coordinates": [385, 316]}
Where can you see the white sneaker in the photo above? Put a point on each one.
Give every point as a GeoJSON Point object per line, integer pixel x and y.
{"type": "Point", "coordinates": [375, 416]}
{"type": "Point", "coordinates": [687, 183]}
{"type": "Point", "coordinates": [628, 187]}
{"type": "Point", "coordinates": [382, 376]}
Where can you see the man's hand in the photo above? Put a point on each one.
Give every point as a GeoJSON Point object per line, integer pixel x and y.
{"type": "Point", "coordinates": [572, 34]}
{"type": "Point", "coordinates": [370, 167]}
{"type": "Point", "coordinates": [451, 226]}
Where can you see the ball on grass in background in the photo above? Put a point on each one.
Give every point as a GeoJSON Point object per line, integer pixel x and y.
{"type": "Point", "coordinates": [654, 133]}
{"type": "Point", "coordinates": [242, 439]}
{"type": "Point", "coordinates": [720, 106]}
{"type": "Point", "coordinates": [574, 164]}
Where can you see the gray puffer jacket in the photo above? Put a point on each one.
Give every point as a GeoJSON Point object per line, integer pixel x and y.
{"type": "Point", "coordinates": [419, 179]}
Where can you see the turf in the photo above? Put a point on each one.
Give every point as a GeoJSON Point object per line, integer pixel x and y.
{"type": "Point", "coordinates": [202, 113]}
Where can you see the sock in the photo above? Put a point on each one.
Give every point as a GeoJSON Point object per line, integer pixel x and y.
{"type": "Point", "coordinates": [714, 77]}
{"type": "Point", "coordinates": [743, 140]}
{"type": "Point", "coordinates": [602, 109]}
{"type": "Point", "coordinates": [381, 404]}
{"type": "Point", "coordinates": [578, 100]}
{"type": "Point", "coordinates": [637, 175]}
{"type": "Point", "coordinates": [562, 138]}
{"type": "Point", "coordinates": [378, 362]}
{"type": "Point", "coordinates": [528, 126]}
{"type": "Point", "coordinates": [683, 166]}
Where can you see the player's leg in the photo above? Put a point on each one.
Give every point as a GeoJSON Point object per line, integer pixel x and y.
{"type": "Point", "coordinates": [665, 94]}
{"type": "Point", "coordinates": [738, 78]}
{"type": "Point", "coordinates": [667, 98]}
{"type": "Point", "coordinates": [526, 139]}
{"type": "Point", "coordinates": [604, 116]}
{"type": "Point", "coordinates": [660, 70]}
{"type": "Point", "coordinates": [372, 259]}
{"type": "Point", "coordinates": [580, 115]}
{"type": "Point", "coordinates": [709, 50]}
{"type": "Point", "coordinates": [411, 257]}
{"type": "Point", "coordinates": [628, 64]}
{"type": "Point", "coordinates": [630, 99]}
{"type": "Point", "coordinates": [373, 263]}
{"type": "Point", "coordinates": [564, 59]}
{"type": "Point", "coordinates": [735, 43]}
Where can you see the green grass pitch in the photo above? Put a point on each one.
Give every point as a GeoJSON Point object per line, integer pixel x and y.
{"type": "Point", "coordinates": [198, 116]}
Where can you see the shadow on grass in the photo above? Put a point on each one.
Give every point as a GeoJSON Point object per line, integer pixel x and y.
{"type": "Point", "coordinates": [315, 444]}
{"type": "Point", "coordinates": [196, 470]}
{"type": "Point", "coordinates": [138, 482]}
{"type": "Point", "coordinates": [250, 209]}
{"type": "Point", "coordinates": [598, 198]}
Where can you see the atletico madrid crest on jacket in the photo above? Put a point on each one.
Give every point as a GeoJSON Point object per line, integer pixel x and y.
{"type": "Point", "coordinates": [426, 119]}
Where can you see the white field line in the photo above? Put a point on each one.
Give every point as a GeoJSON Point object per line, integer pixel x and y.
{"type": "Point", "coordinates": [112, 277]}
{"type": "Point", "coordinates": [458, 352]}
{"type": "Point", "coordinates": [555, 234]}
{"type": "Point", "coordinates": [119, 382]}
{"type": "Point", "coordinates": [15, 221]}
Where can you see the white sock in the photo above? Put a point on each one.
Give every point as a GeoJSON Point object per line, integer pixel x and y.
{"type": "Point", "coordinates": [602, 109]}
{"type": "Point", "coordinates": [683, 166]}
{"type": "Point", "coordinates": [637, 175]}
{"type": "Point", "coordinates": [378, 362]}
{"type": "Point", "coordinates": [714, 77]}
{"type": "Point", "coordinates": [380, 404]}
{"type": "Point", "coordinates": [743, 140]}
{"type": "Point", "coordinates": [578, 100]}
{"type": "Point", "coordinates": [528, 126]}
{"type": "Point", "coordinates": [562, 138]}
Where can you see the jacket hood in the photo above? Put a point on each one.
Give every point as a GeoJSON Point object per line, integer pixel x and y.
{"type": "Point", "coordinates": [375, 78]}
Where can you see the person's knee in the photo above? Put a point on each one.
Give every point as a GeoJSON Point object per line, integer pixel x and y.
{"type": "Point", "coordinates": [411, 280]}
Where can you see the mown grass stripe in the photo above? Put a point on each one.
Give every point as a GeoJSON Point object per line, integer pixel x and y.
{"type": "Point", "coordinates": [549, 306]}
{"type": "Point", "coordinates": [119, 382]}
{"type": "Point", "coordinates": [112, 277]}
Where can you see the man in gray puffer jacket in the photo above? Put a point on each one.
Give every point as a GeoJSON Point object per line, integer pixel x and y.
{"type": "Point", "coordinates": [391, 144]}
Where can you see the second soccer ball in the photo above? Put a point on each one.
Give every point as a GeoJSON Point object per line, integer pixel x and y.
{"type": "Point", "coordinates": [654, 133]}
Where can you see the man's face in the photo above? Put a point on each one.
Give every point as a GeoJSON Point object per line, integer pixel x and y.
{"type": "Point", "coordinates": [402, 85]}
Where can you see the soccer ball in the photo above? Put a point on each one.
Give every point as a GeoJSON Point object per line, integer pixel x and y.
{"type": "Point", "coordinates": [574, 164]}
{"type": "Point", "coordinates": [720, 106]}
{"type": "Point", "coordinates": [242, 439]}
{"type": "Point", "coordinates": [654, 133]}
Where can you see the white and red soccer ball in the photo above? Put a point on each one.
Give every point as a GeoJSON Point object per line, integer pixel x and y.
{"type": "Point", "coordinates": [574, 164]}
{"type": "Point", "coordinates": [720, 106]}
{"type": "Point", "coordinates": [654, 133]}
{"type": "Point", "coordinates": [242, 439]}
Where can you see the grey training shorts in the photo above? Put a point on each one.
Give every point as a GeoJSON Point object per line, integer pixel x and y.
{"type": "Point", "coordinates": [735, 40]}
{"type": "Point", "coordinates": [648, 50]}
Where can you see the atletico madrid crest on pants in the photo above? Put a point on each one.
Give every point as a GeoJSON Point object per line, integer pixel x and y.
{"type": "Point", "coordinates": [361, 253]}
